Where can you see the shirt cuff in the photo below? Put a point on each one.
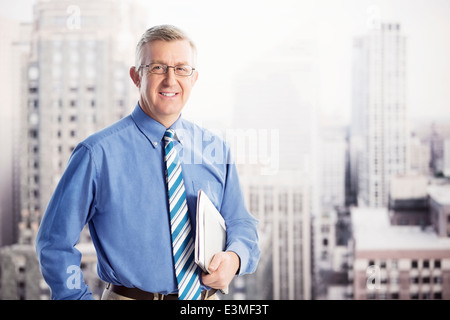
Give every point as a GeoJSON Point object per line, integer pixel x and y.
{"type": "Point", "coordinates": [243, 255]}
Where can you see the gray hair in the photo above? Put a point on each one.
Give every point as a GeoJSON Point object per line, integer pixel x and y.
{"type": "Point", "coordinates": [163, 32]}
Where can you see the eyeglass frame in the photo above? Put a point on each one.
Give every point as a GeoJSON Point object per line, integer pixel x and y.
{"type": "Point", "coordinates": [167, 69]}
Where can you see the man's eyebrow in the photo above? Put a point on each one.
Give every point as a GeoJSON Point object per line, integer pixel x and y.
{"type": "Point", "coordinates": [162, 62]}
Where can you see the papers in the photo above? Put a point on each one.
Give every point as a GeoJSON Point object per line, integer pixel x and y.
{"type": "Point", "coordinates": [211, 233]}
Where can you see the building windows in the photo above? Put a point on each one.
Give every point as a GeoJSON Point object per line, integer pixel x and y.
{"type": "Point", "coordinates": [394, 279]}
{"type": "Point", "coordinates": [437, 264]}
{"type": "Point", "coordinates": [33, 73]}
{"type": "Point", "coordinates": [394, 264]}
{"type": "Point", "coordinates": [297, 203]}
{"type": "Point", "coordinates": [437, 279]}
{"type": "Point", "coordinates": [414, 296]}
{"type": "Point", "coordinates": [371, 296]}
{"type": "Point", "coordinates": [33, 133]}
{"type": "Point", "coordinates": [414, 280]}
{"type": "Point", "coordinates": [414, 264]}
{"type": "Point", "coordinates": [437, 295]}
{"type": "Point", "coordinates": [282, 202]}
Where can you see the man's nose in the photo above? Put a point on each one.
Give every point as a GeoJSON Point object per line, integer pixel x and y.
{"type": "Point", "coordinates": [170, 76]}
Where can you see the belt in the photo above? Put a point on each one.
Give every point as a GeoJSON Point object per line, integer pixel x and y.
{"type": "Point", "coordinates": [138, 294]}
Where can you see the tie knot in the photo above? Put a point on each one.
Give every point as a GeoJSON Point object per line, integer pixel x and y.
{"type": "Point", "coordinates": [169, 134]}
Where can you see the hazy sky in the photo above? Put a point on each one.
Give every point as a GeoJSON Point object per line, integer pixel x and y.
{"type": "Point", "coordinates": [233, 34]}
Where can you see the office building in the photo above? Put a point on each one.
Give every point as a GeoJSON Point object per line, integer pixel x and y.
{"type": "Point", "coordinates": [397, 261]}
{"type": "Point", "coordinates": [14, 50]}
{"type": "Point", "coordinates": [283, 209]}
{"type": "Point", "coordinates": [408, 200]}
{"type": "Point", "coordinates": [275, 111]}
{"type": "Point", "coordinates": [332, 159]}
{"type": "Point", "coordinates": [439, 202]}
{"type": "Point", "coordinates": [76, 81]}
{"type": "Point", "coordinates": [432, 138]}
{"type": "Point", "coordinates": [446, 159]}
{"type": "Point", "coordinates": [379, 128]}
{"type": "Point", "coordinates": [420, 155]}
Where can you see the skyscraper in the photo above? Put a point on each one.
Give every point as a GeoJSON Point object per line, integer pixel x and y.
{"type": "Point", "coordinates": [75, 82]}
{"type": "Point", "coordinates": [282, 206]}
{"type": "Point", "coordinates": [276, 108]}
{"type": "Point", "coordinates": [78, 83]}
{"type": "Point", "coordinates": [14, 49]}
{"type": "Point", "coordinates": [379, 129]}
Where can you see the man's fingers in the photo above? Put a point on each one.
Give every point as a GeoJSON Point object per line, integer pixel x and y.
{"type": "Point", "coordinates": [215, 262]}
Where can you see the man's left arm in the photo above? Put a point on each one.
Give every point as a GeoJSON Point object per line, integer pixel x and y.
{"type": "Point", "coordinates": [242, 251]}
{"type": "Point", "coordinates": [242, 234]}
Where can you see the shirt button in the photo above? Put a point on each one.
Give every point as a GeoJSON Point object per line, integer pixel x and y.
{"type": "Point", "coordinates": [155, 143]}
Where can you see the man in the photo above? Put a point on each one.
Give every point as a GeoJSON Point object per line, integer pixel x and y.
{"type": "Point", "coordinates": [115, 182]}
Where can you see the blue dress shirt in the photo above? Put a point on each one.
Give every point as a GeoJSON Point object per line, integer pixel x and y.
{"type": "Point", "coordinates": [115, 183]}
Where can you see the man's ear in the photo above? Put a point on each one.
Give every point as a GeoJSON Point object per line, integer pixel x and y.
{"type": "Point", "coordinates": [134, 75]}
{"type": "Point", "coordinates": [194, 77]}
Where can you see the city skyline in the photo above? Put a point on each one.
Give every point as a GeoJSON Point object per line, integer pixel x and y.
{"type": "Point", "coordinates": [268, 28]}
{"type": "Point", "coordinates": [283, 93]}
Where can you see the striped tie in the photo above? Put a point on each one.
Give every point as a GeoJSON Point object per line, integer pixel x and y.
{"type": "Point", "coordinates": [182, 238]}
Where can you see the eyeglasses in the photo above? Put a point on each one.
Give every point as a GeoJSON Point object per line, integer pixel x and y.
{"type": "Point", "coordinates": [159, 68]}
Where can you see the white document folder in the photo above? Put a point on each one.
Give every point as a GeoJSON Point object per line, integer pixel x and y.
{"type": "Point", "coordinates": [211, 235]}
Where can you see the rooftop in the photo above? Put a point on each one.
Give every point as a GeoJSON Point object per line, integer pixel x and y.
{"type": "Point", "coordinates": [372, 231]}
{"type": "Point", "coordinates": [440, 193]}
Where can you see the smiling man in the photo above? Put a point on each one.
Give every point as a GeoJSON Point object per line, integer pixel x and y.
{"type": "Point", "coordinates": [164, 94]}
{"type": "Point", "coordinates": [129, 184]}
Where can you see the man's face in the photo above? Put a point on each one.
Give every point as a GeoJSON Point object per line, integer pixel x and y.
{"type": "Point", "coordinates": [163, 96]}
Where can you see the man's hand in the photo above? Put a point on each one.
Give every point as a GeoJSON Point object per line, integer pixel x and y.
{"type": "Point", "coordinates": [223, 268]}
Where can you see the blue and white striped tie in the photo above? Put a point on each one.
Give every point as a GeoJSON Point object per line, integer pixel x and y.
{"type": "Point", "coordinates": [182, 238]}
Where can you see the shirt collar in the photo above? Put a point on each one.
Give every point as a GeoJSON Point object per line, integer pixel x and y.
{"type": "Point", "coordinates": [152, 129]}
{"type": "Point", "coordinates": [178, 127]}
